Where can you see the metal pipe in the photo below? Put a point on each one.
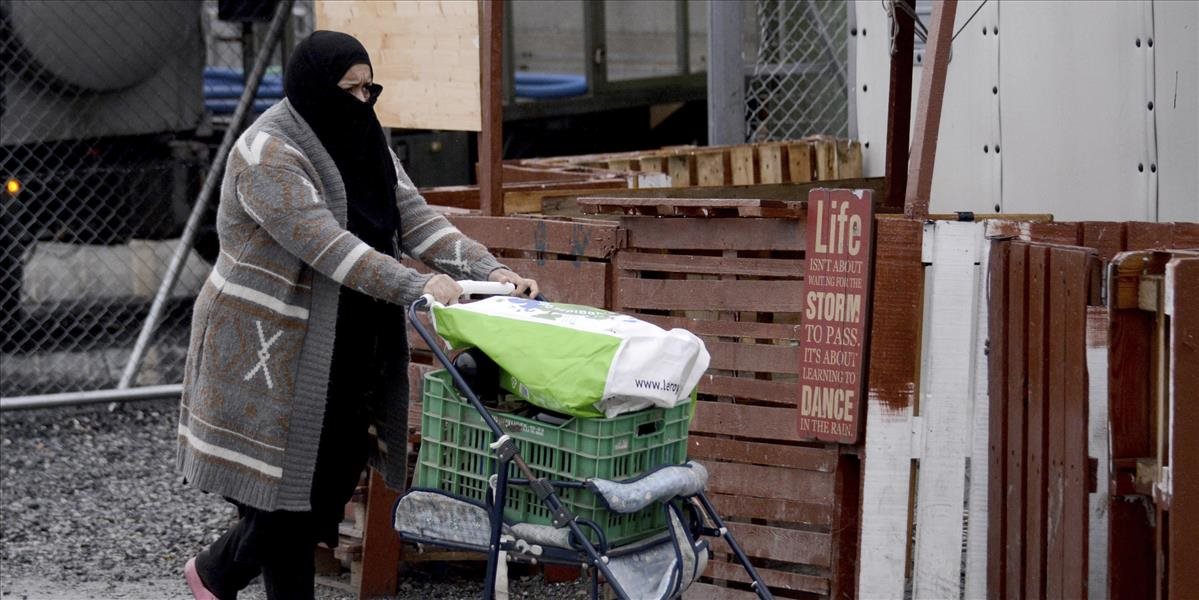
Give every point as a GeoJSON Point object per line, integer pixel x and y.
{"type": "Point", "coordinates": [201, 205]}
{"type": "Point", "coordinates": [154, 392]}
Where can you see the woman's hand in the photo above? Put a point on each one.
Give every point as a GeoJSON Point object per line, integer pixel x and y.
{"type": "Point", "coordinates": [523, 285]}
{"type": "Point", "coordinates": [443, 289]}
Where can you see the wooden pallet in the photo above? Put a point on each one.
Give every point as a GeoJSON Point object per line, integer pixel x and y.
{"type": "Point", "coordinates": [738, 284]}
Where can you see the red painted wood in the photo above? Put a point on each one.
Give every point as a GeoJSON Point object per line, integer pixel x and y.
{"type": "Point", "coordinates": [1017, 349]}
{"type": "Point", "coordinates": [897, 313]}
{"type": "Point", "coordinates": [715, 234]}
{"type": "Point", "coordinates": [997, 329]}
{"type": "Point", "coordinates": [1150, 236]}
{"type": "Point", "coordinates": [380, 544]}
{"type": "Point", "coordinates": [1107, 238]}
{"type": "Point", "coordinates": [1182, 577]}
{"type": "Point", "coordinates": [1074, 266]}
{"type": "Point", "coordinates": [1056, 371]}
{"type": "Point", "coordinates": [1038, 420]}
{"type": "Point", "coordinates": [686, 294]}
{"type": "Point", "coordinates": [576, 237]}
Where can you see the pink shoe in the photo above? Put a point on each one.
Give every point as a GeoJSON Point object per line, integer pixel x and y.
{"type": "Point", "coordinates": [199, 592]}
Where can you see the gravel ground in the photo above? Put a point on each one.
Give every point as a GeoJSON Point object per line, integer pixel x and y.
{"type": "Point", "coordinates": [91, 507]}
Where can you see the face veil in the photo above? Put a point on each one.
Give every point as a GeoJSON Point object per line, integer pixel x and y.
{"type": "Point", "coordinates": [349, 131]}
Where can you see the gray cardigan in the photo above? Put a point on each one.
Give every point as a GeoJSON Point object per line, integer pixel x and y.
{"type": "Point", "coordinates": [254, 387]}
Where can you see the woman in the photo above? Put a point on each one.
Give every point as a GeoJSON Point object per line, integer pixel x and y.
{"type": "Point", "coordinates": [297, 368]}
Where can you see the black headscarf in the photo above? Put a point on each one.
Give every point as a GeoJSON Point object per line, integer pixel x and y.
{"type": "Point", "coordinates": [349, 131]}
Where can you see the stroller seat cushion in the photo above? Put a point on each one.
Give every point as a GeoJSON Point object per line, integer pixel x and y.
{"type": "Point", "coordinates": [659, 485]}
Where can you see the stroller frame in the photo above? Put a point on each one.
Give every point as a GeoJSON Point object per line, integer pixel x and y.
{"type": "Point", "coordinates": [595, 556]}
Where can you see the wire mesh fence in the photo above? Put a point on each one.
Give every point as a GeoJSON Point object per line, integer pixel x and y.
{"type": "Point", "coordinates": [800, 80]}
{"type": "Point", "coordinates": [110, 112]}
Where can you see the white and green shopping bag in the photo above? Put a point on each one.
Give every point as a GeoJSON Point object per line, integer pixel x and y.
{"type": "Point", "coordinates": [579, 360]}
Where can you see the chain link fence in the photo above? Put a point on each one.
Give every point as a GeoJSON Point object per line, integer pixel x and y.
{"type": "Point", "coordinates": [110, 112]}
{"type": "Point", "coordinates": [800, 81]}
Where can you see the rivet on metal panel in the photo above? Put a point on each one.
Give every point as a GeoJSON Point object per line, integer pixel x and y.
{"type": "Point", "coordinates": [996, 148]}
{"type": "Point", "coordinates": [995, 30]}
{"type": "Point", "coordinates": [919, 58]}
{"type": "Point", "coordinates": [863, 32]}
{"type": "Point", "coordinates": [1150, 42]}
{"type": "Point", "coordinates": [996, 208]}
{"type": "Point", "coordinates": [1138, 42]}
{"type": "Point", "coordinates": [863, 87]}
{"type": "Point", "coordinates": [1140, 168]}
{"type": "Point", "coordinates": [853, 31]}
{"type": "Point", "coordinates": [986, 148]}
{"type": "Point", "coordinates": [994, 89]}
{"type": "Point", "coordinates": [1153, 168]}
{"type": "Point", "coordinates": [984, 30]}
{"type": "Point", "coordinates": [1150, 105]}
{"type": "Point", "coordinates": [866, 144]}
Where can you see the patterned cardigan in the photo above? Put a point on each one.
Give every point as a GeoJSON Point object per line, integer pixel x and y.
{"type": "Point", "coordinates": [263, 324]}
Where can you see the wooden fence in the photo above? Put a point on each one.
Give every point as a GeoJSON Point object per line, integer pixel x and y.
{"type": "Point", "coordinates": [1035, 351]}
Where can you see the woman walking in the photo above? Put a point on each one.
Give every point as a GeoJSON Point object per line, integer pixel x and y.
{"type": "Point", "coordinates": [297, 367]}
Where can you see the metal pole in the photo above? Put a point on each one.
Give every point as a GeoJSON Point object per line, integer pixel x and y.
{"type": "Point", "coordinates": [726, 74]}
{"type": "Point", "coordinates": [156, 392]}
{"type": "Point", "coordinates": [682, 37]}
{"type": "Point", "coordinates": [201, 205]}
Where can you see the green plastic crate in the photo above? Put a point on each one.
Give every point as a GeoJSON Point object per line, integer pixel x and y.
{"type": "Point", "coordinates": [455, 457]}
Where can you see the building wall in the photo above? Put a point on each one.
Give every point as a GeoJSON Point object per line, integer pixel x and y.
{"type": "Point", "coordinates": [1063, 90]}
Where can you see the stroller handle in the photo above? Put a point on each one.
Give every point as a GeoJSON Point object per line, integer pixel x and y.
{"type": "Point", "coordinates": [486, 288]}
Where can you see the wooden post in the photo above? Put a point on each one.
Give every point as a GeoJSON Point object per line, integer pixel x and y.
{"type": "Point", "coordinates": [1182, 279]}
{"type": "Point", "coordinates": [928, 117]}
{"type": "Point", "coordinates": [899, 105]}
{"type": "Point", "coordinates": [491, 87]}
{"type": "Point", "coordinates": [380, 544]}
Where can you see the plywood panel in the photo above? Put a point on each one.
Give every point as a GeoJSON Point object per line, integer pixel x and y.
{"type": "Point", "coordinates": [425, 53]}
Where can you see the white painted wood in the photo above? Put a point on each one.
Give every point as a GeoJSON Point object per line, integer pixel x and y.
{"type": "Point", "coordinates": [872, 71]}
{"type": "Point", "coordinates": [948, 387]}
{"type": "Point", "coordinates": [885, 497]}
{"type": "Point", "coordinates": [976, 530]}
{"type": "Point", "coordinates": [1097, 447]}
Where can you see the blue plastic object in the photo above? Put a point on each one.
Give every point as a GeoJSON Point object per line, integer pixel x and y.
{"type": "Point", "coordinates": [223, 87]}
{"type": "Point", "coordinates": [549, 85]}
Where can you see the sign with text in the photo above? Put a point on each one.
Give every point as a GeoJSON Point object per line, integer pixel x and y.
{"type": "Point", "coordinates": [836, 313]}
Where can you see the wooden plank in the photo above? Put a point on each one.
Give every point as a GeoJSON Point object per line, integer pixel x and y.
{"type": "Point", "coordinates": [713, 168]}
{"type": "Point", "coordinates": [894, 359]}
{"type": "Point", "coordinates": [810, 514]}
{"type": "Point", "coordinates": [1150, 236]}
{"type": "Point", "coordinates": [757, 453]}
{"type": "Point", "coordinates": [715, 234]}
{"type": "Point", "coordinates": [534, 201]}
{"type": "Point", "coordinates": [951, 308]}
{"type": "Point", "coordinates": [742, 158]}
{"type": "Point", "coordinates": [763, 541]}
{"type": "Point", "coordinates": [675, 294]}
{"type": "Point", "coordinates": [846, 517]}
{"type": "Point", "coordinates": [1107, 238]}
{"type": "Point", "coordinates": [997, 447]}
{"type": "Point", "coordinates": [681, 170]}
{"type": "Point", "coordinates": [1018, 309]}
{"type": "Point", "coordinates": [570, 281]}
{"type": "Point", "coordinates": [849, 159]}
{"type": "Point", "coordinates": [586, 238]}
{"type": "Point", "coordinates": [380, 544]}
{"type": "Point", "coordinates": [772, 163]}
{"type": "Point", "coordinates": [692, 207]}
{"type": "Point", "coordinates": [977, 538]}
{"type": "Point", "coordinates": [780, 392]}
{"type": "Point", "coordinates": [774, 579]}
{"type": "Point", "coordinates": [742, 420]}
{"type": "Point", "coordinates": [1097, 444]}
{"type": "Point", "coordinates": [737, 329]}
{"type": "Point", "coordinates": [1182, 289]}
{"type": "Point", "coordinates": [756, 358]}
{"type": "Point", "coordinates": [800, 162]}
{"type": "Point", "coordinates": [712, 265]}
{"type": "Point", "coordinates": [1038, 421]}
{"type": "Point", "coordinates": [826, 159]}
{"type": "Point", "coordinates": [1055, 233]}
{"type": "Point", "coordinates": [1186, 235]}
{"type": "Point", "coordinates": [1075, 265]}
{"type": "Point", "coordinates": [776, 191]}
{"type": "Point", "coordinates": [1056, 430]}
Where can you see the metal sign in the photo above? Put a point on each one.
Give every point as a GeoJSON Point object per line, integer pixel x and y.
{"type": "Point", "coordinates": [836, 312]}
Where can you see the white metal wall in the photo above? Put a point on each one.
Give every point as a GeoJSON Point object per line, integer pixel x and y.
{"type": "Point", "coordinates": [1048, 111]}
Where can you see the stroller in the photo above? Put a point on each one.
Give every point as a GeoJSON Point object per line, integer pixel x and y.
{"type": "Point", "coordinates": [658, 565]}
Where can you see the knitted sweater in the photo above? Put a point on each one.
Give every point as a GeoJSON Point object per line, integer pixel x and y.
{"type": "Point", "coordinates": [254, 387]}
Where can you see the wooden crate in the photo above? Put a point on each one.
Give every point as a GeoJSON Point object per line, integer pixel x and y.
{"type": "Point", "coordinates": [737, 283]}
